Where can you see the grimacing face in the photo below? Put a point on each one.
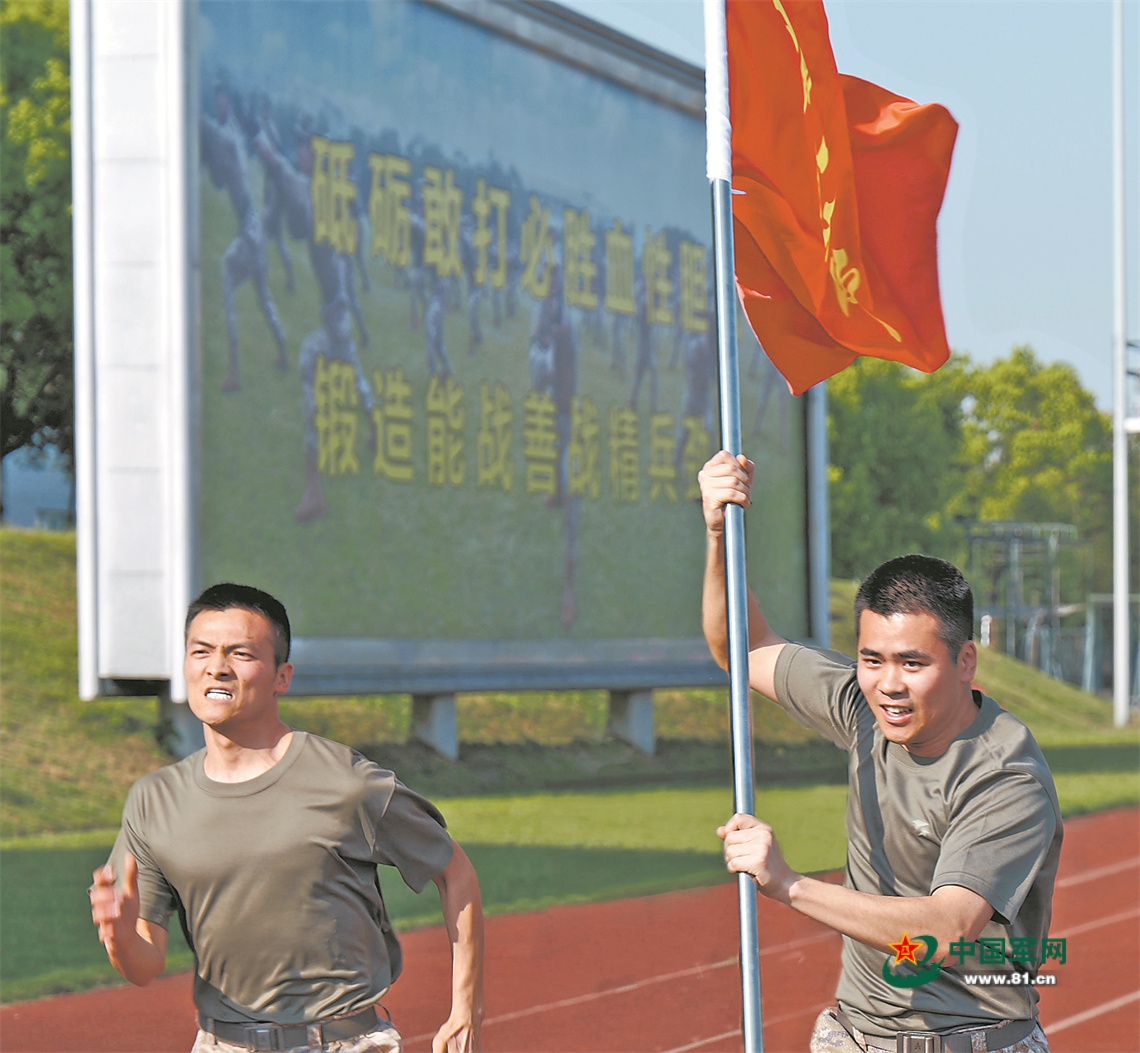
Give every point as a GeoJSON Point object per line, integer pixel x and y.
{"type": "Point", "coordinates": [919, 693]}
{"type": "Point", "coordinates": [232, 676]}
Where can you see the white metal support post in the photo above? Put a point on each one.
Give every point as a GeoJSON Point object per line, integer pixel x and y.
{"type": "Point", "coordinates": [631, 719]}
{"type": "Point", "coordinates": [82, 184]}
{"type": "Point", "coordinates": [1121, 680]}
{"type": "Point", "coordinates": [434, 723]}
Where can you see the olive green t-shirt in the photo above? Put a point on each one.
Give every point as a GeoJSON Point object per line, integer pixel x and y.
{"type": "Point", "coordinates": [983, 816]}
{"type": "Point", "coordinates": [275, 880]}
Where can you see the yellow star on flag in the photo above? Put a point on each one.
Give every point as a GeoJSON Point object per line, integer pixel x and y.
{"type": "Point", "coordinates": [904, 950]}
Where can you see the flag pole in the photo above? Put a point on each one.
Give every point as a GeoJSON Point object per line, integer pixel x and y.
{"type": "Point", "coordinates": [719, 166]}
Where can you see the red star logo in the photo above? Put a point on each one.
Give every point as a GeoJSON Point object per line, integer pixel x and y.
{"type": "Point", "coordinates": [904, 950]}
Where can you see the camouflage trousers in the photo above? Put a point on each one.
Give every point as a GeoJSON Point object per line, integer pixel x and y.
{"type": "Point", "coordinates": [383, 1039]}
{"type": "Point", "coordinates": [830, 1036]}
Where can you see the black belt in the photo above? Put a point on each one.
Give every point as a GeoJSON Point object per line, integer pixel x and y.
{"type": "Point", "coordinates": [289, 1036]}
{"type": "Point", "coordinates": [997, 1037]}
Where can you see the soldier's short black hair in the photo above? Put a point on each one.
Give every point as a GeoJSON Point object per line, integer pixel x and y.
{"type": "Point", "coordinates": [915, 583]}
{"type": "Point", "coordinates": [226, 594]}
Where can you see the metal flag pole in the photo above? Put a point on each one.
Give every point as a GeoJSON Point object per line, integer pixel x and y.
{"type": "Point", "coordinates": [719, 164]}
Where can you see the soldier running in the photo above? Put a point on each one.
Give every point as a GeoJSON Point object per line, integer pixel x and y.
{"type": "Point", "coordinates": [224, 157]}
{"type": "Point", "coordinates": [333, 340]}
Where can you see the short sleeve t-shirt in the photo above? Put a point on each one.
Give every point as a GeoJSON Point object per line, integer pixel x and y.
{"type": "Point", "coordinates": [983, 816]}
{"type": "Point", "coordinates": [274, 879]}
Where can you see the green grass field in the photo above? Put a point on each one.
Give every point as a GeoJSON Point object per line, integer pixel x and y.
{"type": "Point", "coordinates": [550, 810]}
{"type": "Point", "coordinates": [530, 852]}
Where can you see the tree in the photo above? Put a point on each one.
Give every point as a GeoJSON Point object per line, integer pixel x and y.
{"type": "Point", "coordinates": [1039, 451]}
{"type": "Point", "coordinates": [36, 338]}
{"type": "Point", "coordinates": [895, 436]}
{"type": "Point", "coordinates": [1015, 440]}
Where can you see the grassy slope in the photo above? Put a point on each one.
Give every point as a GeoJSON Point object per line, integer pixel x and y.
{"type": "Point", "coordinates": [64, 764]}
{"type": "Point", "coordinates": [67, 765]}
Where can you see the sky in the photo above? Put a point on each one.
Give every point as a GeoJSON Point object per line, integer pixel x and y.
{"type": "Point", "coordinates": [1025, 233]}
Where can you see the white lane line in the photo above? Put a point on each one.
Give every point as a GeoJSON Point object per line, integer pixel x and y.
{"type": "Point", "coordinates": [637, 985]}
{"type": "Point", "coordinates": [791, 945]}
{"type": "Point", "coordinates": [593, 996]}
{"type": "Point", "coordinates": [1093, 875]}
{"type": "Point", "coordinates": [1089, 1014]}
{"type": "Point", "coordinates": [1088, 926]}
{"type": "Point", "coordinates": [696, 970]}
{"type": "Point", "coordinates": [795, 945]}
{"type": "Point", "coordinates": [734, 1033]}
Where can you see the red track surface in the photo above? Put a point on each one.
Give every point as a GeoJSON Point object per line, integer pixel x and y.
{"type": "Point", "coordinates": [660, 973]}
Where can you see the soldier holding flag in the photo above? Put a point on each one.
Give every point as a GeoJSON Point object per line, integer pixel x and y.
{"type": "Point", "coordinates": [953, 826]}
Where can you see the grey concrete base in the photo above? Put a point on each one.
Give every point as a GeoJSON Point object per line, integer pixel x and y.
{"type": "Point", "coordinates": [178, 729]}
{"type": "Point", "coordinates": [433, 723]}
{"type": "Point", "coordinates": [631, 719]}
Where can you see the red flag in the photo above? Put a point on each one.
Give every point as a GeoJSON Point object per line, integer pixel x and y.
{"type": "Point", "coordinates": [836, 243]}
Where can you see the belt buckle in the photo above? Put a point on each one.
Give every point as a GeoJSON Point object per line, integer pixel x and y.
{"type": "Point", "coordinates": [918, 1042]}
{"type": "Point", "coordinates": [264, 1036]}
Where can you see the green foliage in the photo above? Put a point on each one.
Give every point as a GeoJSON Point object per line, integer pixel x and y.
{"type": "Point", "coordinates": [36, 344]}
{"type": "Point", "coordinates": [894, 437]}
{"type": "Point", "coordinates": [1038, 450]}
{"type": "Point", "coordinates": [910, 454]}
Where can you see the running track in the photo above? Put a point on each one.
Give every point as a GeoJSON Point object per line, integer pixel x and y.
{"type": "Point", "coordinates": [660, 973]}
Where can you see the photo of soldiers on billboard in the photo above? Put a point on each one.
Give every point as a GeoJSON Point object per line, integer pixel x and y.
{"type": "Point", "coordinates": [491, 292]}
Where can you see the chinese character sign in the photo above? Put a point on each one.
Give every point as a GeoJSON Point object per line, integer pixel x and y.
{"type": "Point", "coordinates": [458, 336]}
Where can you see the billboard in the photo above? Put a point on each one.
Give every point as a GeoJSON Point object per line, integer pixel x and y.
{"type": "Point", "coordinates": [456, 365]}
{"type": "Point", "coordinates": [402, 310]}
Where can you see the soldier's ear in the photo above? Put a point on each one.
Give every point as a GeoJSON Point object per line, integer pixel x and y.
{"type": "Point", "coordinates": [284, 678]}
{"type": "Point", "coordinates": [968, 661]}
